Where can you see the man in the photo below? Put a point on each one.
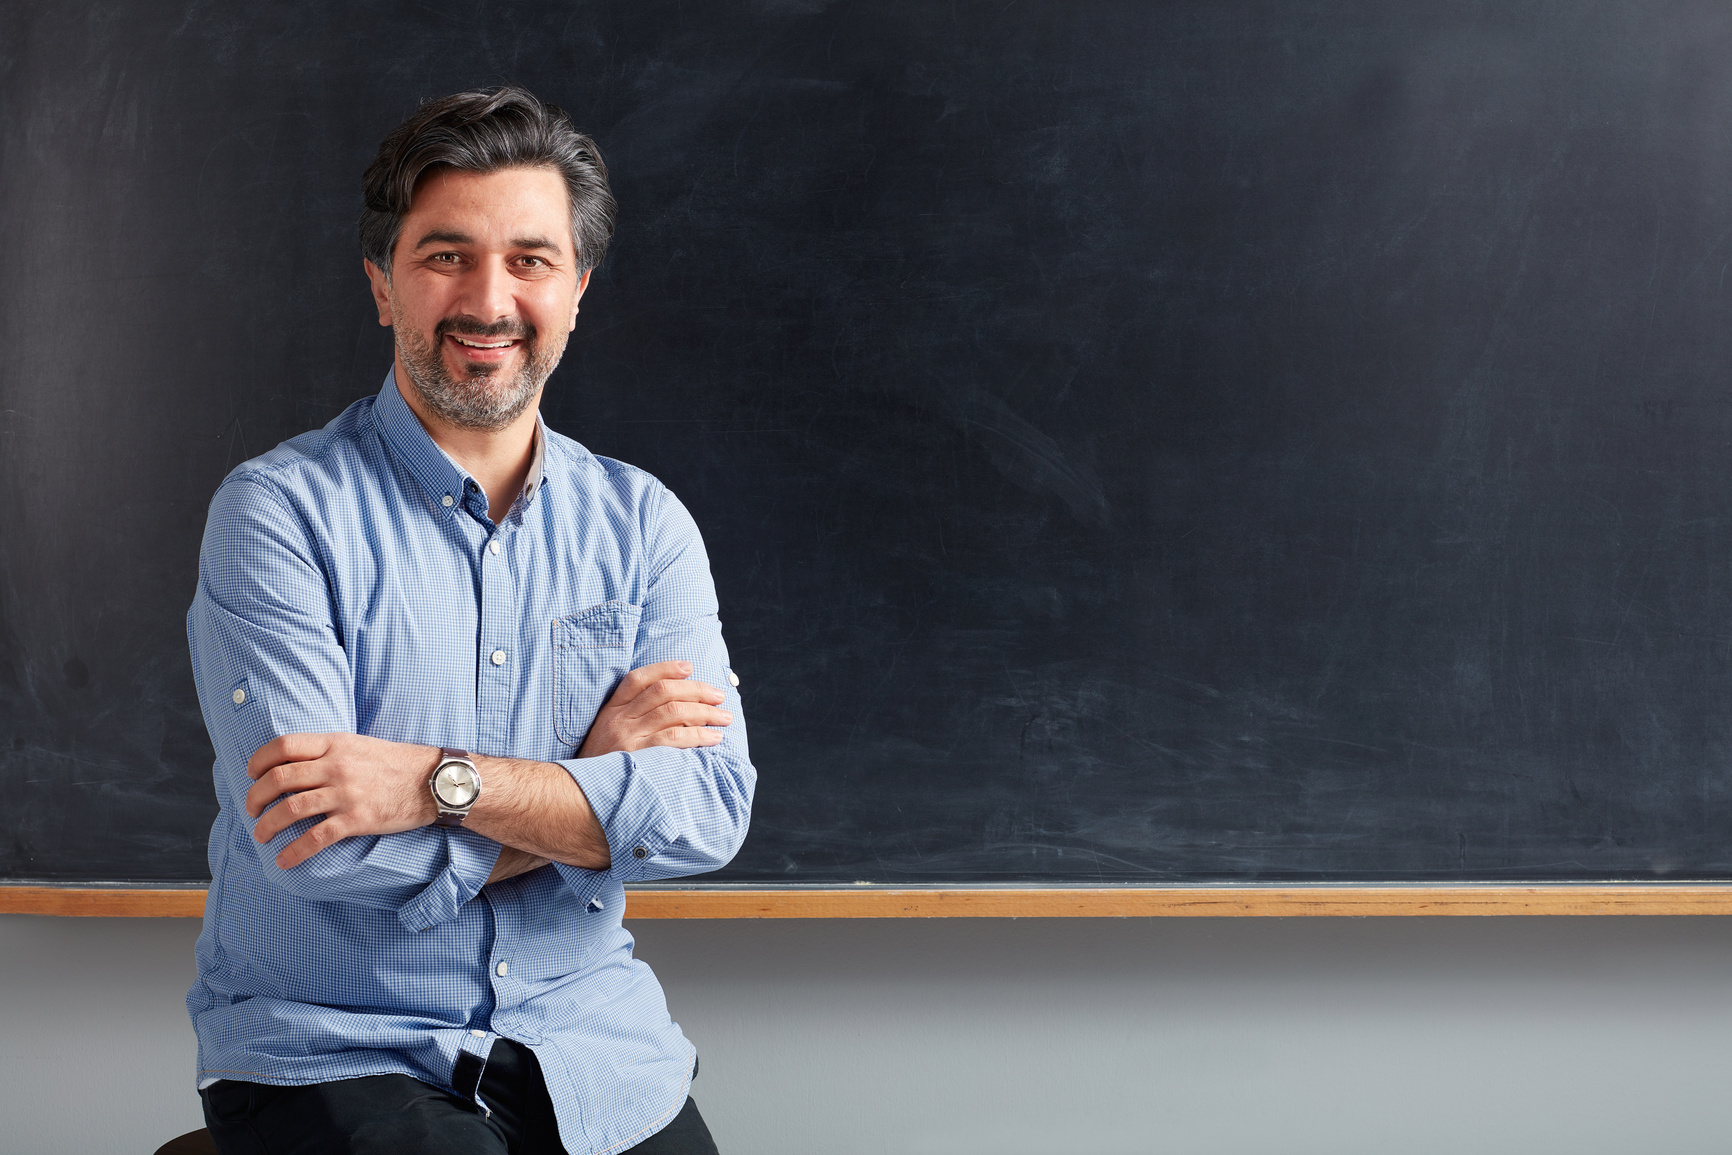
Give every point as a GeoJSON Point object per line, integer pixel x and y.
{"type": "Point", "coordinates": [464, 679]}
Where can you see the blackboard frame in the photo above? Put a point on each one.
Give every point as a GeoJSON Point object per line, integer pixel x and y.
{"type": "Point", "coordinates": [1238, 901]}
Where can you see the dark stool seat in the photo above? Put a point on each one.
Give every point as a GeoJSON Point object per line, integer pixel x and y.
{"type": "Point", "coordinates": [192, 1143]}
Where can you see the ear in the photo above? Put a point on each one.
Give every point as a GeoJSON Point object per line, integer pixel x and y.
{"type": "Point", "coordinates": [582, 284]}
{"type": "Point", "coordinates": [381, 291]}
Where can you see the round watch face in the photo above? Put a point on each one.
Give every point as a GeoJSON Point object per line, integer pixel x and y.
{"type": "Point", "coordinates": [456, 784]}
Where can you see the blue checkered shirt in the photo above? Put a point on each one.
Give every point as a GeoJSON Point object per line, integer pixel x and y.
{"type": "Point", "coordinates": [351, 581]}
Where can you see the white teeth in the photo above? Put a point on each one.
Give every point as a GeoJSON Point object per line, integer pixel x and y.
{"type": "Point", "coordinates": [479, 345]}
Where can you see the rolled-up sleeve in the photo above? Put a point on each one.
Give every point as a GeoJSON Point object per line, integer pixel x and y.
{"type": "Point", "coordinates": [668, 812]}
{"type": "Point", "coordinates": [268, 660]}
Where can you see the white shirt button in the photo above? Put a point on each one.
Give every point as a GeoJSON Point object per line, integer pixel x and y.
{"type": "Point", "coordinates": [479, 1034]}
{"type": "Point", "coordinates": [447, 501]}
{"type": "Point", "coordinates": [493, 547]}
{"type": "Point", "coordinates": [502, 970]}
{"type": "Point", "coordinates": [240, 696]}
{"type": "Point", "coordinates": [498, 658]}
{"type": "Point", "coordinates": [733, 679]}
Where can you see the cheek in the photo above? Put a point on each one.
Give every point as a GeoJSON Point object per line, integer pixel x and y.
{"type": "Point", "coordinates": [421, 303]}
{"type": "Point", "coordinates": [554, 310]}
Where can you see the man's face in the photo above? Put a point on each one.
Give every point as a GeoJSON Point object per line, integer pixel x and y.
{"type": "Point", "coordinates": [483, 291]}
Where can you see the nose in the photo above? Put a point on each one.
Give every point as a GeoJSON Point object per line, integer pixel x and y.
{"type": "Point", "coordinates": [488, 293]}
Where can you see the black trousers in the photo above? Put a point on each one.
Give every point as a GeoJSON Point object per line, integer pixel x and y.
{"type": "Point", "coordinates": [397, 1115]}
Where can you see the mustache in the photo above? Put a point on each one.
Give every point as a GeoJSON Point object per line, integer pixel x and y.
{"type": "Point", "coordinates": [513, 329]}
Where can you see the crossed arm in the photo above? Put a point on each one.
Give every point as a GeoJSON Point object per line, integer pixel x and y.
{"type": "Point", "coordinates": [659, 779]}
{"type": "Point", "coordinates": [535, 810]}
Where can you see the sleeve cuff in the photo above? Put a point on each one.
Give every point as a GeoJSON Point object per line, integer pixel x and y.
{"type": "Point", "coordinates": [471, 860]}
{"type": "Point", "coordinates": [622, 793]}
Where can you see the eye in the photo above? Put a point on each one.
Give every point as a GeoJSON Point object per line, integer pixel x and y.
{"type": "Point", "coordinates": [445, 258]}
{"type": "Point", "coordinates": [533, 262]}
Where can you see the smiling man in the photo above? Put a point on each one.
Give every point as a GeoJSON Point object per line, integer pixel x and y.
{"type": "Point", "coordinates": [464, 679]}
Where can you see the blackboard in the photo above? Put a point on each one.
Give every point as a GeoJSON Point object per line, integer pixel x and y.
{"type": "Point", "coordinates": [1136, 442]}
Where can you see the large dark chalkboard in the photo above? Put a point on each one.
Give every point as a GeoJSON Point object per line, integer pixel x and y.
{"type": "Point", "coordinates": [1137, 442]}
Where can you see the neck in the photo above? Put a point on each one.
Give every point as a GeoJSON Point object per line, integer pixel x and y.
{"type": "Point", "coordinates": [498, 459]}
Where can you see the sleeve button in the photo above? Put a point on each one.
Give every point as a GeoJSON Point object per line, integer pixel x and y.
{"type": "Point", "coordinates": [640, 852]}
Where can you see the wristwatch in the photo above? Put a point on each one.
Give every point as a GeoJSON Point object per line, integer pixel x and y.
{"type": "Point", "coordinates": [456, 784]}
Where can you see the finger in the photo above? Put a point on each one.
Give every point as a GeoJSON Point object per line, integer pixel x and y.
{"type": "Point", "coordinates": [281, 780]}
{"type": "Point", "coordinates": [682, 738]}
{"type": "Point", "coordinates": [292, 809]}
{"type": "Point", "coordinates": [265, 757]}
{"type": "Point", "coordinates": [668, 690]}
{"type": "Point", "coordinates": [324, 834]}
{"type": "Point", "coordinates": [685, 714]}
{"type": "Point", "coordinates": [634, 683]}
{"type": "Point", "coordinates": [288, 748]}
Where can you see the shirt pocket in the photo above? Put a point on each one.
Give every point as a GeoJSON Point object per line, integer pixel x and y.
{"type": "Point", "coordinates": [591, 652]}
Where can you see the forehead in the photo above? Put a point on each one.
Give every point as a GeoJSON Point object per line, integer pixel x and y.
{"type": "Point", "coordinates": [493, 208]}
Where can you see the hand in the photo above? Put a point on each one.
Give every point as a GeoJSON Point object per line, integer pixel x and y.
{"type": "Point", "coordinates": [513, 862]}
{"type": "Point", "coordinates": [361, 786]}
{"type": "Point", "coordinates": [657, 706]}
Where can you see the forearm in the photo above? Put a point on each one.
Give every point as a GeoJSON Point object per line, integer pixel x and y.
{"type": "Point", "coordinates": [539, 809]}
{"type": "Point", "coordinates": [513, 862]}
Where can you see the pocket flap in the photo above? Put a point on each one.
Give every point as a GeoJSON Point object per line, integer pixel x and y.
{"type": "Point", "coordinates": [608, 626]}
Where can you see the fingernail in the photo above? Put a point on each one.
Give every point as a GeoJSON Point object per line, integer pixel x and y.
{"type": "Point", "coordinates": [686, 666]}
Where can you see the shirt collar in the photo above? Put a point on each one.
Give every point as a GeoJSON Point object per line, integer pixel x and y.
{"type": "Point", "coordinates": [532, 483]}
{"type": "Point", "coordinates": [446, 482]}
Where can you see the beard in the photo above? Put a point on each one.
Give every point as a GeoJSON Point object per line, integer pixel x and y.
{"type": "Point", "coordinates": [486, 396]}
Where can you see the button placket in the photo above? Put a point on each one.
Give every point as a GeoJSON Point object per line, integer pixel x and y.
{"type": "Point", "coordinates": [500, 660]}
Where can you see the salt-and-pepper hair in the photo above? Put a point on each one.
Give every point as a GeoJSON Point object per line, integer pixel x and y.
{"type": "Point", "coordinates": [485, 131]}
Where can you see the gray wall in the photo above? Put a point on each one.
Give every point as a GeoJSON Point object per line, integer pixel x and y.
{"type": "Point", "coordinates": [1205, 1036]}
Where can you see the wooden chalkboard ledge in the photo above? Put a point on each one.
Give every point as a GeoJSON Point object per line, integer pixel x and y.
{"type": "Point", "coordinates": [1249, 900]}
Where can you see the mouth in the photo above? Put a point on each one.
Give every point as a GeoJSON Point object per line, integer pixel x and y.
{"type": "Point", "coordinates": [482, 349]}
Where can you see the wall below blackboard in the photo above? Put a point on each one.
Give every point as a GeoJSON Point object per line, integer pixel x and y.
{"type": "Point", "coordinates": [1427, 1037]}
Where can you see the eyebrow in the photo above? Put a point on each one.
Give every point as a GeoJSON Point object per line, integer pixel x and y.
{"type": "Point", "coordinates": [444, 237]}
{"type": "Point", "coordinates": [448, 237]}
